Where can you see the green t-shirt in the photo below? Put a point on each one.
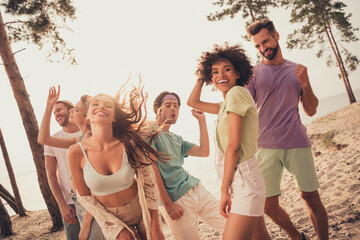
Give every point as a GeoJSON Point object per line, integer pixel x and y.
{"type": "Point", "coordinates": [238, 100]}
{"type": "Point", "coordinates": [176, 179]}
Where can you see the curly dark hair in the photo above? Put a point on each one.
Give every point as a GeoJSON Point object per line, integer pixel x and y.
{"type": "Point", "coordinates": [130, 128]}
{"type": "Point", "coordinates": [235, 54]}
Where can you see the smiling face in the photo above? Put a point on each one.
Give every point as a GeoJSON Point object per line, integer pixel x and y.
{"type": "Point", "coordinates": [61, 114]}
{"type": "Point", "coordinates": [224, 75]}
{"type": "Point", "coordinates": [169, 111]}
{"type": "Point", "coordinates": [266, 44]}
{"type": "Point", "coordinates": [101, 109]}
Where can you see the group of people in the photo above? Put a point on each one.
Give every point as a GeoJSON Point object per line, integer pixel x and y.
{"type": "Point", "coordinates": [112, 172]}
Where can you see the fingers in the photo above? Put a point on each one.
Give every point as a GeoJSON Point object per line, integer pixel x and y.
{"type": "Point", "coordinates": [223, 211]}
{"type": "Point", "coordinates": [299, 69]}
{"type": "Point", "coordinates": [70, 219]}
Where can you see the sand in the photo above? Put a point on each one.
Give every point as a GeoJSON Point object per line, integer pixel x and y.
{"type": "Point", "coordinates": [337, 162]}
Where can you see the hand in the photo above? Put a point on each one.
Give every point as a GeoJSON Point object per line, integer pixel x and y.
{"type": "Point", "coordinates": [125, 235]}
{"type": "Point", "coordinates": [174, 210]}
{"type": "Point", "coordinates": [53, 96]}
{"type": "Point", "coordinates": [302, 75]}
{"type": "Point", "coordinates": [156, 234]}
{"type": "Point", "coordinates": [198, 114]}
{"type": "Point", "coordinates": [68, 214]}
{"type": "Point", "coordinates": [84, 233]}
{"type": "Point", "coordinates": [225, 204]}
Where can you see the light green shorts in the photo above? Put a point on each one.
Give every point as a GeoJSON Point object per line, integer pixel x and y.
{"type": "Point", "coordinates": [298, 161]}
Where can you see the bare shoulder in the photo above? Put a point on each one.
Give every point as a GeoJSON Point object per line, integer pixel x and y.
{"type": "Point", "coordinates": [74, 153]}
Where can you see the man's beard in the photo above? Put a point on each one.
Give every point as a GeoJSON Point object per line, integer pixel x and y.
{"type": "Point", "coordinates": [65, 122]}
{"type": "Point", "coordinates": [273, 52]}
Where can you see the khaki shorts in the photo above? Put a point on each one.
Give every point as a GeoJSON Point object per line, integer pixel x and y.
{"type": "Point", "coordinates": [130, 214]}
{"type": "Point", "coordinates": [298, 161]}
{"type": "Point", "coordinates": [247, 190]}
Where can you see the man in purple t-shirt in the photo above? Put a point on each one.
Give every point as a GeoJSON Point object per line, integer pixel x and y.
{"type": "Point", "coordinates": [277, 88]}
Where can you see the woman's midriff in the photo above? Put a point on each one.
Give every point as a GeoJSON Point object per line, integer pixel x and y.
{"type": "Point", "coordinates": [119, 198]}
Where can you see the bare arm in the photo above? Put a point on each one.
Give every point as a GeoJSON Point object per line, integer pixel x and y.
{"type": "Point", "coordinates": [75, 156]}
{"type": "Point", "coordinates": [231, 158]}
{"type": "Point", "coordinates": [66, 211]}
{"type": "Point", "coordinates": [156, 232]}
{"type": "Point", "coordinates": [195, 102]}
{"type": "Point", "coordinates": [86, 226]}
{"type": "Point", "coordinates": [203, 149]}
{"type": "Point", "coordinates": [44, 136]}
{"type": "Point", "coordinates": [308, 99]}
{"type": "Point", "coordinates": [174, 210]}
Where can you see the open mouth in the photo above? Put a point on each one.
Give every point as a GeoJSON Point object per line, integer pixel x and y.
{"type": "Point", "coordinates": [268, 52]}
{"type": "Point", "coordinates": [223, 81]}
{"type": "Point", "coordinates": [100, 113]}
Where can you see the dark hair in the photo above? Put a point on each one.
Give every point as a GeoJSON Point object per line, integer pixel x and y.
{"type": "Point", "coordinates": [235, 54]}
{"type": "Point", "coordinates": [256, 27]}
{"type": "Point", "coordinates": [159, 98]}
{"type": "Point", "coordinates": [129, 126]}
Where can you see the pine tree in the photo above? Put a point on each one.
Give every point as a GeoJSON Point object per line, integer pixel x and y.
{"type": "Point", "coordinates": [325, 23]}
{"type": "Point", "coordinates": [39, 22]}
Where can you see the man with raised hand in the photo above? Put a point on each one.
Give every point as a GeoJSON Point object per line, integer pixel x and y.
{"type": "Point", "coordinates": [184, 199]}
{"type": "Point", "coordinates": [277, 87]}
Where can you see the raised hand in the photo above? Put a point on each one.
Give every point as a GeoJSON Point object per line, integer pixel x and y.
{"type": "Point", "coordinates": [302, 75]}
{"type": "Point", "coordinates": [53, 96]}
{"type": "Point", "coordinates": [198, 114]}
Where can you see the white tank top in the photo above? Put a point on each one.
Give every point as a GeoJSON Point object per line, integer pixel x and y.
{"type": "Point", "coordinates": [102, 185]}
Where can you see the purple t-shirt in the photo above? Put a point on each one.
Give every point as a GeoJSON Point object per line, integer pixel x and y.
{"type": "Point", "coordinates": [276, 92]}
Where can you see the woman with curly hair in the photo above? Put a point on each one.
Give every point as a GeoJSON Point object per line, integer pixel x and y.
{"type": "Point", "coordinates": [104, 166]}
{"type": "Point", "coordinates": [242, 201]}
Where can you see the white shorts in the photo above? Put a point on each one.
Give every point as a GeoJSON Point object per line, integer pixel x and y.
{"type": "Point", "coordinates": [198, 204]}
{"type": "Point", "coordinates": [248, 189]}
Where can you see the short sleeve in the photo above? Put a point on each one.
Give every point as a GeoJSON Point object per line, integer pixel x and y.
{"type": "Point", "coordinates": [251, 87]}
{"type": "Point", "coordinates": [49, 151]}
{"type": "Point", "coordinates": [186, 146]}
{"type": "Point", "coordinates": [238, 100]}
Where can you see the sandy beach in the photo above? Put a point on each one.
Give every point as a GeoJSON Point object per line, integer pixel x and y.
{"type": "Point", "coordinates": [336, 148]}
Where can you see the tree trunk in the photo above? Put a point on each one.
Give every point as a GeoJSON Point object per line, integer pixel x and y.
{"type": "Point", "coordinates": [29, 122]}
{"type": "Point", "coordinates": [5, 222]}
{"type": "Point", "coordinates": [4, 194]}
{"type": "Point", "coordinates": [350, 93]}
{"type": "Point", "coordinates": [14, 186]}
{"type": "Point", "coordinates": [339, 63]}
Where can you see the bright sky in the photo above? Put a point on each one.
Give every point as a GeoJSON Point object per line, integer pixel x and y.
{"type": "Point", "coordinates": [161, 40]}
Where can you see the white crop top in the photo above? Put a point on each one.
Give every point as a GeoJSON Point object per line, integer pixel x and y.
{"type": "Point", "coordinates": [102, 185]}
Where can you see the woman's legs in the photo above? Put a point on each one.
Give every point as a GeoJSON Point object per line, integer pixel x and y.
{"type": "Point", "coordinates": [240, 227]}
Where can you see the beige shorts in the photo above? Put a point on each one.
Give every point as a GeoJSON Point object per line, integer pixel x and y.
{"type": "Point", "coordinates": [130, 214]}
{"type": "Point", "coordinates": [198, 204]}
{"type": "Point", "coordinates": [247, 189]}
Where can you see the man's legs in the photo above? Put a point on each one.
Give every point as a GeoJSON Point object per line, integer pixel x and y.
{"type": "Point", "coordinates": [280, 217]}
{"type": "Point", "coordinates": [318, 215]}
{"type": "Point", "coordinates": [187, 227]}
{"type": "Point", "coordinates": [208, 207]}
{"type": "Point", "coordinates": [270, 162]}
{"type": "Point", "coordinates": [72, 230]}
